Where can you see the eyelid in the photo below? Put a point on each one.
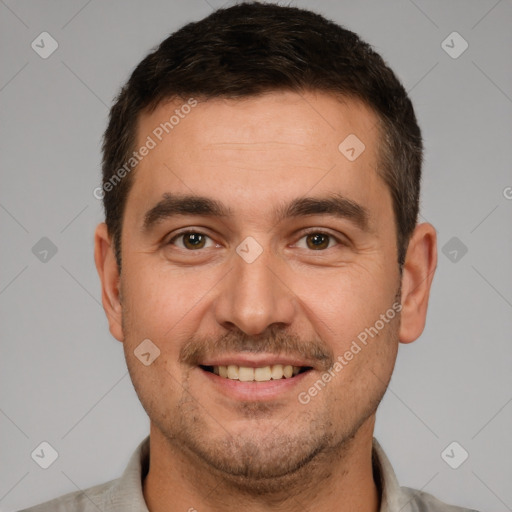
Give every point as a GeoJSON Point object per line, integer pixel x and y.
{"type": "Point", "coordinates": [186, 231]}
{"type": "Point", "coordinates": [340, 240]}
{"type": "Point", "coordinates": [309, 231]}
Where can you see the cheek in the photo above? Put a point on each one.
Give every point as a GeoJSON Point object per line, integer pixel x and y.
{"type": "Point", "coordinates": [345, 302]}
{"type": "Point", "coordinates": [156, 302]}
{"type": "Point", "coordinates": [155, 307]}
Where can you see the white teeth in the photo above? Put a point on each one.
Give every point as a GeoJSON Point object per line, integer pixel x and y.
{"type": "Point", "coordinates": [232, 372]}
{"type": "Point", "coordinates": [262, 374]}
{"type": "Point", "coordinates": [277, 371]}
{"type": "Point", "coordinates": [245, 374]}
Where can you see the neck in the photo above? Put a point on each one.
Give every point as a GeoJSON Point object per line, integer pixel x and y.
{"type": "Point", "coordinates": [340, 479]}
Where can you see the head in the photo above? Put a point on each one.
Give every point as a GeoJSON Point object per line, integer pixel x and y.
{"type": "Point", "coordinates": [252, 49]}
{"type": "Point", "coordinates": [271, 218]}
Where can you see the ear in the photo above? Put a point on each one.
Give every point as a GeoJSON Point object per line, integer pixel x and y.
{"type": "Point", "coordinates": [108, 271]}
{"type": "Point", "coordinates": [418, 273]}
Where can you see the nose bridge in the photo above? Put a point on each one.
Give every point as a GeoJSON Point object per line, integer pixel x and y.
{"type": "Point", "coordinates": [253, 297]}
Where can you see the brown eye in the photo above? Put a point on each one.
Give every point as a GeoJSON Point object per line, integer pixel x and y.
{"type": "Point", "coordinates": [191, 240]}
{"type": "Point", "coordinates": [316, 241]}
{"type": "Point", "coordinates": [320, 241]}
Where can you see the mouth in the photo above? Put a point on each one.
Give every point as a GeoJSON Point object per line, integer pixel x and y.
{"type": "Point", "coordinates": [255, 377]}
{"type": "Point", "coordinates": [256, 374]}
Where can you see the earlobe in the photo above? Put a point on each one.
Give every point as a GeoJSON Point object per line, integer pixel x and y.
{"type": "Point", "coordinates": [418, 273]}
{"type": "Point", "coordinates": [108, 272]}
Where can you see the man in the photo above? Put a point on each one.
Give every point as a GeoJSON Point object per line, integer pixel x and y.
{"type": "Point", "coordinates": [260, 262]}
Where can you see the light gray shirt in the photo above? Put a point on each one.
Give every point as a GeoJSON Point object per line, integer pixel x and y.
{"type": "Point", "coordinates": [125, 493]}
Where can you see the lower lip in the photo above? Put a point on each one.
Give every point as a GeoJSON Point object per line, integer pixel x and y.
{"type": "Point", "coordinates": [254, 391]}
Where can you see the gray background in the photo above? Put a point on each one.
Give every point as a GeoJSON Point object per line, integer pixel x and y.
{"type": "Point", "coordinates": [64, 379]}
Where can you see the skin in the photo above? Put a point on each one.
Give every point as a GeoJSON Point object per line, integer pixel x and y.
{"type": "Point", "coordinates": [210, 449]}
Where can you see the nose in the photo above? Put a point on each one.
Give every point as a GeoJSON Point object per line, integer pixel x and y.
{"type": "Point", "coordinates": [254, 296]}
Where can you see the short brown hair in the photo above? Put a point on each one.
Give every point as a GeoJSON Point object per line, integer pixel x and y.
{"type": "Point", "coordinates": [254, 48]}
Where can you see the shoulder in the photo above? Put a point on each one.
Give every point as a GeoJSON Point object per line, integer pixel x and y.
{"type": "Point", "coordinates": [88, 500]}
{"type": "Point", "coordinates": [419, 501]}
{"type": "Point", "coordinates": [118, 495]}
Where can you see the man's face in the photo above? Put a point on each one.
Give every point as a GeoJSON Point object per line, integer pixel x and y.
{"type": "Point", "coordinates": [261, 285]}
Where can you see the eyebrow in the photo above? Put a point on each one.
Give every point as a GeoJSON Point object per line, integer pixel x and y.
{"type": "Point", "coordinates": [336, 205]}
{"type": "Point", "coordinates": [173, 204]}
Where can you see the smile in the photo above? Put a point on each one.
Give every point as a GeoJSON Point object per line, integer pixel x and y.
{"type": "Point", "coordinates": [258, 374]}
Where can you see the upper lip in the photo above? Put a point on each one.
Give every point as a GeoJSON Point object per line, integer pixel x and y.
{"type": "Point", "coordinates": [252, 360]}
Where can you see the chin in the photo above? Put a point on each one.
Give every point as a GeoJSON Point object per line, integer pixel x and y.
{"type": "Point", "coordinates": [255, 456]}
{"type": "Point", "coordinates": [262, 466]}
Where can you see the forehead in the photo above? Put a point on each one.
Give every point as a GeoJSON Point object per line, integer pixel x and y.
{"type": "Point", "coordinates": [259, 150]}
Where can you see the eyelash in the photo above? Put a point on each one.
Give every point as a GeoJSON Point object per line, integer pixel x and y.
{"type": "Point", "coordinates": [324, 233]}
{"type": "Point", "coordinates": [304, 234]}
{"type": "Point", "coordinates": [184, 233]}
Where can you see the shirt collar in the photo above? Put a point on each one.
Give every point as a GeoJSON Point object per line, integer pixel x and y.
{"type": "Point", "coordinates": [392, 499]}
{"type": "Point", "coordinates": [126, 493]}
